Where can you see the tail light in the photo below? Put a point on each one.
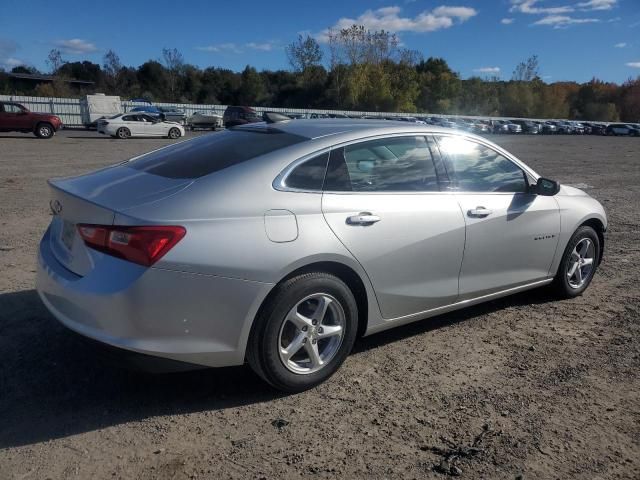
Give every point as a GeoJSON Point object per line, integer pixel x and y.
{"type": "Point", "coordinates": [142, 245]}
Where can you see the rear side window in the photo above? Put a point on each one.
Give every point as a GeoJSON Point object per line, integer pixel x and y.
{"type": "Point", "coordinates": [212, 153]}
{"type": "Point", "coordinates": [398, 164]}
{"type": "Point", "coordinates": [309, 175]}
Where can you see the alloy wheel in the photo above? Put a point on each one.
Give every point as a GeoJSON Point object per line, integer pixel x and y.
{"type": "Point", "coordinates": [311, 333]}
{"type": "Point", "coordinates": [580, 264]}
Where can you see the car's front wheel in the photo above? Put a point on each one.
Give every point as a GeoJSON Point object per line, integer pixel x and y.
{"type": "Point", "coordinates": [578, 264]}
{"type": "Point", "coordinates": [174, 133]}
{"type": "Point", "coordinates": [304, 332]}
{"type": "Point", "coordinates": [44, 130]}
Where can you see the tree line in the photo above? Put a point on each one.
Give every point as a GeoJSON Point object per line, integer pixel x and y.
{"type": "Point", "coordinates": [359, 70]}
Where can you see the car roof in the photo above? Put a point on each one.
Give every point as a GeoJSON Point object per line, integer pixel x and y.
{"type": "Point", "coordinates": [348, 127]}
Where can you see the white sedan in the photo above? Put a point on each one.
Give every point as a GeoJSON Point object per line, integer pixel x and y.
{"type": "Point", "coordinates": [125, 125]}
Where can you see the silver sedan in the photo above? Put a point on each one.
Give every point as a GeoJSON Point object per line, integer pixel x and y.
{"type": "Point", "coordinates": [280, 243]}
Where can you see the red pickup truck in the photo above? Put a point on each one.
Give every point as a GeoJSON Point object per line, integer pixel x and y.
{"type": "Point", "coordinates": [16, 118]}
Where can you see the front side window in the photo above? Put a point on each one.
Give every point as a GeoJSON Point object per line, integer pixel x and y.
{"type": "Point", "coordinates": [398, 164]}
{"type": "Point", "coordinates": [473, 167]}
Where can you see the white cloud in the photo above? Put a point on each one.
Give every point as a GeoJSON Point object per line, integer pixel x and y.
{"type": "Point", "coordinates": [390, 19]}
{"type": "Point", "coordinates": [75, 46]}
{"type": "Point", "coordinates": [564, 21]}
{"type": "Point", "coordinates": [633, 64]}
{"type": "Point", "coordinates": [507, 21]}
{"type": "Point", "coordinates": [265, 47]}
{"type": "Point", "coordinates": [221, 48]}
{"type": "Point", "coordinates": [494, 70]}
{"type": "Point", "coordinates": [597, 5]}
{"type": "Point", "coordinates": [529, 6]}
{"type": "Point", "coordinates": [620, 45]}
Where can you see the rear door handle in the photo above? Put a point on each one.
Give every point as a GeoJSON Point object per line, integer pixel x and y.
{"type": "Point", "coordinates": [363, 218]}
{"type": "Point", "coordinates": [479, 212]}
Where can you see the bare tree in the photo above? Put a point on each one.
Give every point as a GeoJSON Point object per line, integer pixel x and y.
{"type": "Point", "coordinates": [303, 53]}
{"type": "Point", "coordinates": [111, 63]}
{"type": "Point", "coordinates": [54, 60]}
{"type": "Point", "coordinates": [528, 70]}
{"type": "Point", "coordinates": [111, 66]}
{"type": "Point", "coordinates": [174, 61]}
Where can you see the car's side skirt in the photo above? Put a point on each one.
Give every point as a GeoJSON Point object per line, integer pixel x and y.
{"type": "Point", "coordinates": [396, 322]}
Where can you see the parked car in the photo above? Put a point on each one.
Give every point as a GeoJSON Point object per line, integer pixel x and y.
{"type": "Point", "coordinates": [505, 126]}
{"type": "Point", "coordinates": [172, 114]}
{"type": "Point", "coordinates": [622, 129]}
{"type": "Point", "coordinates": [549, 127]}
{"type": "Point", "coordinates": [14, 117]}
{"type": "Point", "coordinates": [204, 119]}
{"type": "Point", "coordinates": [528, 126]}
{"type": "Point", "coordinates": [595, 128]}
{"type": "Point", "coordinates": [234, 116]}
{"type": "Point", "coordinates": [578, 128]}
{"type": "Point", "coordinates": [168, 255]}
{"type": "Point", "coordinates": [150, 109]}
{"type": "Point", "coordinates": [126, 125]}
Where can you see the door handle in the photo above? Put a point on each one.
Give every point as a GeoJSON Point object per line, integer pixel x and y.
{"type": "Point", "coordinates": [363, 218]}
{"type": "Point", "coordinates": [479, 212]}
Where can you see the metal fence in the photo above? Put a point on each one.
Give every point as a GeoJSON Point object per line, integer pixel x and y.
{"type": "Point", "coordinates": [73, 111]}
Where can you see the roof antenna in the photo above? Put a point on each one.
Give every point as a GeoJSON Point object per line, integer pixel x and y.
{"type": "Point", "coordinates": [275, 117]}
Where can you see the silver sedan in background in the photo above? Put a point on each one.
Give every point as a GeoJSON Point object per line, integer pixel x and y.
{"type": "Point", "coordinates": [280, 243]}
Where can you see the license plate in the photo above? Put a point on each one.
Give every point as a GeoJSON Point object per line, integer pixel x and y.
{"type": "Point", "coordinates": [68, 234]}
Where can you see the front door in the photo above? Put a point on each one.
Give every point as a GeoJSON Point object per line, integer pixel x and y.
{"type": "Point", "coordinates": [512, 234]}
{"type": "Point", "coordinates": [382, 200]}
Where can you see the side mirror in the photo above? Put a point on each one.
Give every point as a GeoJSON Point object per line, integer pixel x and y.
{"type": "Point", "coordinates": [546, 187]}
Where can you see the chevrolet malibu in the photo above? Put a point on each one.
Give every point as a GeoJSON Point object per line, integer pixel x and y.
{"type": "Point", "coordinates": [280, 243]}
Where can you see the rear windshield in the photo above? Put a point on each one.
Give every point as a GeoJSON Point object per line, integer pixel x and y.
{"type": "Point", "coordinates": [213, 152]}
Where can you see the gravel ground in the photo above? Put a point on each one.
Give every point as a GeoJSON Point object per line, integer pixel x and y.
{"type": "Point", "coordinates": [524, 387]}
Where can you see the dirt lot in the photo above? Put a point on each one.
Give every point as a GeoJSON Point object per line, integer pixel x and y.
{"type": "Point", "coordinates": [525, 387]}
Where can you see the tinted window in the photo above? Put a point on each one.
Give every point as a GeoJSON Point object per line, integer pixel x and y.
{"type": "Point", "coordinates": [309, 175]}
{"type": "Point", "coordinates": [399, 164]}
{"type": "Point", "coordinates": [473, 167]}
{"type": "Point", "coordinates": [211, 153]}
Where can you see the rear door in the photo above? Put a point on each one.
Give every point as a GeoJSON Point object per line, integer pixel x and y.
{"type": "Point", "coordinates": [382, 200]}
{"type": "Point", "coordinates": [511, 234]}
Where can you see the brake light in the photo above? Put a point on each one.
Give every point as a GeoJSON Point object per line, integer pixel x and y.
{"type": "Point", "coordinates": [142, 245]}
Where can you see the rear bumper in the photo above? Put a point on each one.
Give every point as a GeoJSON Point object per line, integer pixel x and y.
{"type": "Point", "coordinates": [198, 319]}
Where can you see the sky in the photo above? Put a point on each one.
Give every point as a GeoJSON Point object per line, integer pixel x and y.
{"type": "Point", "coordinates": [575, 40]}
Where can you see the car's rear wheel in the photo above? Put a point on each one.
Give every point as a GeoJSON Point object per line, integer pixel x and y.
{"type": "Point", "coordinates": [123, 133]}
{"type": "Point", "coordinates": [579, 263]}
{"type": "Point", "coordinates": [304, 332]}
{"type": "Point", "coordinates": [44, 130]}
{"type": "Point", "coordinates": [174, 133]}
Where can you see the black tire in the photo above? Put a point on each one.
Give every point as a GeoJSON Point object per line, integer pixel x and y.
{"type": "Point", "coordinates": [123, 133]}
{"type": "Point", "coordinates": [561, 285]}
{"type": "Point", "coordinates": [174, 133]}
{"type": "Point", "coordinates": [263, 346]}
{"type": "Point", "coordinates": [44, 130]}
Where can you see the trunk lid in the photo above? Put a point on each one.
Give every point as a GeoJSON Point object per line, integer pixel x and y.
{"type": "Point", "coordinates": [95, 199]}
